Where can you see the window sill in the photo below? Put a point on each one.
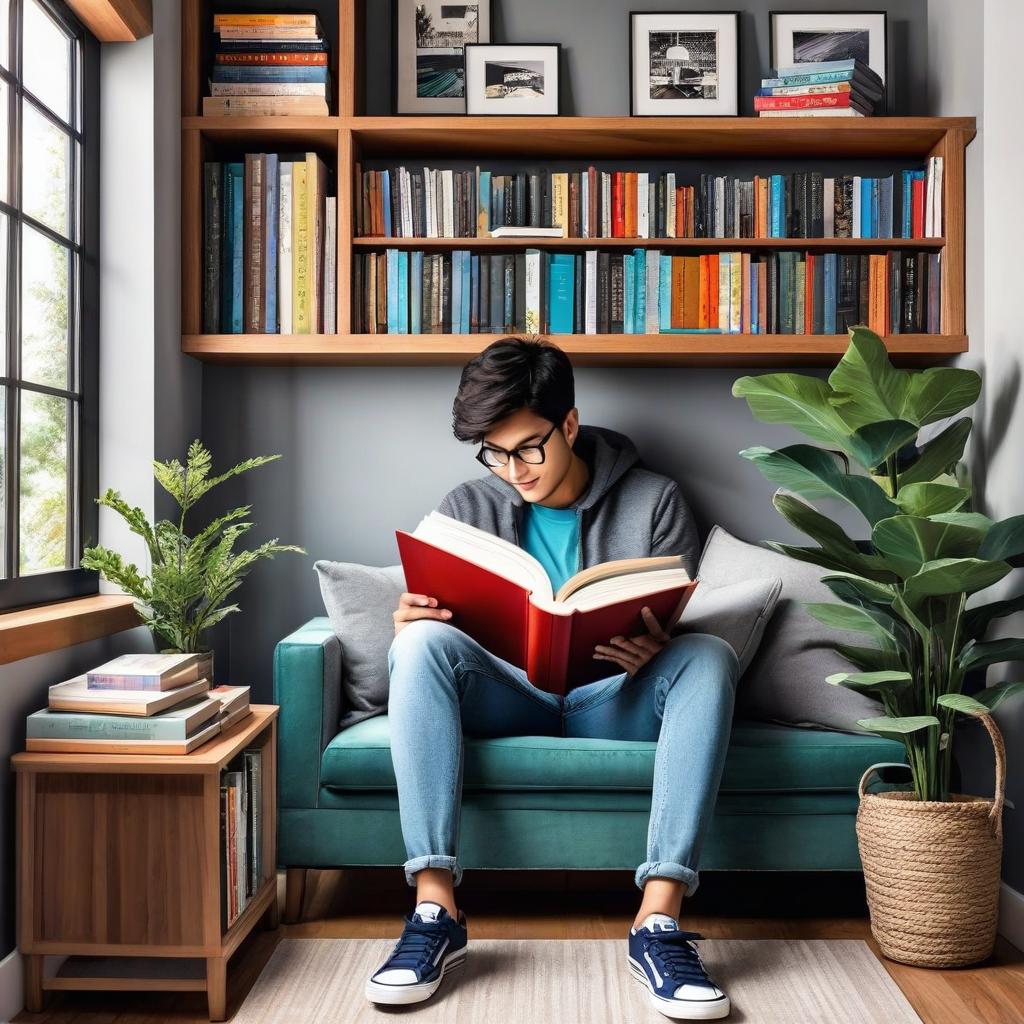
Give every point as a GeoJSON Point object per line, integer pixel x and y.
{"type": "Point", "coordinates": [49, 627]}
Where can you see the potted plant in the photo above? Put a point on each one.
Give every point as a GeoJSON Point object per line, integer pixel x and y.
{"type": "Point", "coordinates": [931, 858]}
{"type": "Point", "coordinates": [190, 575]}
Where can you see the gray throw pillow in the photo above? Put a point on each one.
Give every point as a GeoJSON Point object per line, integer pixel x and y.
{"type": "Point", "coordinates": [786, 679]}
{"type": "Point", "coordinates": [360, 600]}
{"type": "Point", "coordinates": [737, 612]}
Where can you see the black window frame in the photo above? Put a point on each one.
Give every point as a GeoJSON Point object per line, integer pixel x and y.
{"type": "Point", "coordinates": [82, 438]}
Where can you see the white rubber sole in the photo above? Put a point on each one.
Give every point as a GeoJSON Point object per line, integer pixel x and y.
{"type": "Point", "coordinates": [680, 1009]}
{"type": "Point", "coordinates": [400, 995]}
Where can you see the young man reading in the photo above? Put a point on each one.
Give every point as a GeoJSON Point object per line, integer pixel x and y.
{"type": "Point", "coordinates": [573, 497]}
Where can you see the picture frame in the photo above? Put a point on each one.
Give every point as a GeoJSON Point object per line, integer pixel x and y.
{"type": "Point", "coordinates": [866, 32]}
{"type": "Point", "coordinates": [428, 41]}
{"type": "Point", "coordinates": [684, 63]}
{"type": "Point", "coordinates": [513, 79]}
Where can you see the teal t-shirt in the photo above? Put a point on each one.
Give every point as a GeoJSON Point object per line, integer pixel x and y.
{"type": "Point", "coordinates": [552, 536]}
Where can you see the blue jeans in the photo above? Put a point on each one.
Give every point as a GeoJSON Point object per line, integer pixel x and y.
{"type": "Point", "coordinates": [445, 685]}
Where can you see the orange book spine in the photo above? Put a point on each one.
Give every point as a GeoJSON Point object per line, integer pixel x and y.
{"type": "Point", "coordinates": [713, 289]}
{"type": "Point", "coordinates": [631, 187]}
{"type": "Point", "coordinates": [678, 291]}
{"type": "Point", "coordinates": [691, 291]}
{"type": "Point", "coordinates": [702, 319]}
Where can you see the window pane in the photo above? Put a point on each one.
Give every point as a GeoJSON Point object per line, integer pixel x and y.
{"type": "Point", "coordinates": [45, 266]}
{"type": "Point", "coordinates": [47, 59]}
{"type": "Point", "coordinates": [5, 23]}
{"type": "Point", "coordinates": [43, 482]}
{"type": "Point", "coordinates": [45, 170]}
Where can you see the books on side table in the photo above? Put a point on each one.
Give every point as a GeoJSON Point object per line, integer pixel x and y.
{"type": "Point", "coordinates": [501, 596]}
{"type": "Point", "coordinates": [136, 704]}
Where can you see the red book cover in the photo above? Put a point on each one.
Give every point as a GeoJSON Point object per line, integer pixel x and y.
{"type": "Point", "coordinates": [917, 196]}
{"type": "Point", "coordinates": [820, 99]}
{"type": "Point", "coordinates": [712, 289]}
{"type": "Point", "coordinates": [555, 650]}
{"type": "Point", "coordinates": [618, 210]}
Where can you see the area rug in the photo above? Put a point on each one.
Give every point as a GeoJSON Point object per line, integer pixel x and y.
{"type": "Point", "coordinates": [554, 981]}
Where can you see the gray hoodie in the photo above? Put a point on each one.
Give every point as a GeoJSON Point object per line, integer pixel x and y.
{"type": "Point", "coordinates": [627, 511]}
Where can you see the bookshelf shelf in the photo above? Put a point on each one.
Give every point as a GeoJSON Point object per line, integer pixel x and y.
{"type": "Point", "coordinates": [349, 137]}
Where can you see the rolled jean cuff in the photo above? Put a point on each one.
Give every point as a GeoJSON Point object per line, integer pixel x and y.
{"type": "Point", "coordinates": [434, 860]}
{"type": "Point", "coordinates": [666, 869]}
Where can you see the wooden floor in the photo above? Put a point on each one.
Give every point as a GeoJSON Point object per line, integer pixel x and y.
{"type": "Point", "coordinates": [556, 904]}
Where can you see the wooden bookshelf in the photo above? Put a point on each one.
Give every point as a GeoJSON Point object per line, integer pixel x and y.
{"type": "Point", "coordinates": [348, 137]}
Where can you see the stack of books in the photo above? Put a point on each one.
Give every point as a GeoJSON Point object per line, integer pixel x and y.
{"type": "Point", "coordinates": [242, 869]}
{"type": "Point", "coordinates": [645, 291]}
{"type": "Point", "coordinates": [828, 88]}
{"type": "Point", "coordinates": [269, 64]}
{"type": "Point", "coordinates": [136, 704]}
{"type": "Point", "coordinates": [270, 246]}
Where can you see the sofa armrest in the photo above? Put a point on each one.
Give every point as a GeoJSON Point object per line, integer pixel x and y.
{"type": "Point", "coordinates": [307, 686]}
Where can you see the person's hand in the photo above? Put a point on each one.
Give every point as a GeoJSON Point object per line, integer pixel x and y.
{"type": "Point", "coordinates": [417, 606]}
{"type": "Point", "coordinates": [633, 653]}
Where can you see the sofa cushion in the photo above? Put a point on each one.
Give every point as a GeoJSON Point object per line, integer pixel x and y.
{"type": "Point", "coordinates": [762, 757]}
{"type": "Point", "coordinates": [786, 678]}
{"type": "Point", "coordinates": [360, 600]}
{"type": "Point", "coordinates": [737, 612]}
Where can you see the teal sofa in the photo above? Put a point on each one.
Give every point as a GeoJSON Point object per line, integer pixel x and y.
{"type": "Point", "coordinates": [787, 802]}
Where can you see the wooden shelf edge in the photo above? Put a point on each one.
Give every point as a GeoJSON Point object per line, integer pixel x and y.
{"type": "Point", "coordinates": [585, 350]}
{"type": "Point", "coordinates": [26, 632]}
{"type": "Point", "coordinates": [384, 242]}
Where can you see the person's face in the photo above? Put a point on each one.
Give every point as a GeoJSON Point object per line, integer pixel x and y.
{"type": "Point", "coordinates": [534, 481]}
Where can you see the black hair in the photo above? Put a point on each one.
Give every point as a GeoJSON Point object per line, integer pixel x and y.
{"type": "Point", "coordinates": [509, 375]}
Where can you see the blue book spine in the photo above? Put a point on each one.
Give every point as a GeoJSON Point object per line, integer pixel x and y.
{"type": "Point", "coordinates": [640, 280]}
{"type": "Point", "coordinates": [270, 185]}
{"type": "Point", "coordinates": [392, 290]}
{"type": "Point", "coordinates": [905, 179]}
{"type": "Point", "coordinates": [628, 294]}
{"type": "Point", "coordinates": [484, 199]}
{"type": "Point", "coordinates": [237, 247]}
{"type": "Point", "coordinates": [876, 202]}
{"type": "Point", "coordinates": [467, 289]}
{"type": "Point", "coordinates": [885, 223]}
{"type": "Point", "coordinates": [416, 294]}
{"type": "Point", "coordinates": [403, 292]}
{"type": "Point", "coordinates": [818, 77]}
{"type": "Point", "coordinates": [561, 293]}
{"type": "Point", "coordinates": [865, 207]}
{"type": "Point", "coordinates": [386, 201]}
{"type": "Point", "coordinates": [474, 292]}
{"type": "Point", "coordinates": [457, 291]}
{"type": "Point", "coordinates": [227, 237]}
{"type": "Point", "coordinates": [664, 293]}
{"type": "Point", "coordinates": [830, 293]}
{"type": "Point", "coordinates": [777, 186]}
{"type": "Point", "coordinates": [288, 73]}
{"type": "Point", "coordinates": [849, 64]}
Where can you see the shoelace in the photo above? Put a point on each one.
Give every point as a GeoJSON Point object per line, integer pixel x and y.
{"type": "Point", "coordinates": [417, 944]}
{"type": "Point", "coordinates": [682, 961]}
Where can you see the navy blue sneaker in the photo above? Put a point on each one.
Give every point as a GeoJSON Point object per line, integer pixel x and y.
{"type": "Point", "coordinates": [432, 944]}
{"type": "Point", "coordinates": [664, 959]}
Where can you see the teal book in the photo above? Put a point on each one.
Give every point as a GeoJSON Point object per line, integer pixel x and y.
{"type": "Point", "coordinates": [664, 293]}
{"type": "Point", "coordinates": [416, 293]}
{"type": "Point", "coordinates": [391, 290]}
{"type": "Point", "coordinates": [457, 291]}
{"type": "Point", "coordinates": [484, 204]}
{"type": "Point", "coordinates": [560, 292]}
{"type": "Point", "coordinates": [177, 723]}
{"type": "Point", "coordinates": [236, 174]}
{"type": "Point", "coordinates": [403, 292]}
{"type": "Point", "coordinates": [628, 293]}
{"type": "Point", "coordinates": [467, 290]}
{"type": "Point", "coordinates": [640, 282]}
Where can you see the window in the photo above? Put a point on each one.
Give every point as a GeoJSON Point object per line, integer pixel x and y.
{"type": "Point", "coordinates": [49, 301]}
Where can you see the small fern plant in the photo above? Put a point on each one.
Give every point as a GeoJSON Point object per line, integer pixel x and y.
{"type": "Point", "coordinates": [190, 577]}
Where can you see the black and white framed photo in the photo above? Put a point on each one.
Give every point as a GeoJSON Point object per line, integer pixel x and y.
{"type": "Point", "coordinates": [512, 79]}
{"type": "Point", "coordinates": [683, 64]}
{"type": "Point", "coordinates": [429, 39]}
{"type": "Point", "coordinates": [799, 37]}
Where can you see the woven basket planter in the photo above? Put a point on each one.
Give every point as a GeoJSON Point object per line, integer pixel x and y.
{"type": "Point", "coordinates": [931, 869]}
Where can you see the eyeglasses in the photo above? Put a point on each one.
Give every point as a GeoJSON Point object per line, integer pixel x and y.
{"type": "Point", "coordinates": [494, 458]}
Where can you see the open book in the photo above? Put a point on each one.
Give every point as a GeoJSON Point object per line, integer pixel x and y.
{"type": "Point", "coordinates": [501, 596]}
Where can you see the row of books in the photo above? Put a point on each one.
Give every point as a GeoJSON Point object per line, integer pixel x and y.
{"type": "Point", "coordinates": [645, 292]}
{"type": "Point", "coordinates": [137, 703]}
{"type": "Point", "coordinates": [269, 246]}
{"type": "Point", "coordinates": [241, 833]}
{"type": "Point", "coordinates": [830, 88]}
{"type": "Point", "coordinates": [432, 202]}
{"type": "Point", "coordinates": [269, 64]}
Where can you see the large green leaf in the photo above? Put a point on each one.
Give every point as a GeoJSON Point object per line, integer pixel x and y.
{"type": "Point", "coordinates": [872, 683]}
{"type": "Point", "coordinates": [816, 474]}
{"type": "Point", "coordinates": [873, 443]}
{"type": "Point", "coordinates": [820, 557]}
{"type": "Point", "coordinates": [938, 392]}
{"type": "Point", "coordinates": [846, 616]}
{"type": "Point", "coordinates": [874, 591]}
{"type": "Point", "coordinates": [927, 499]}
{"type": "Point", "coordinates": [868, 388]}
{"type": "Point", "coordinates": [1005, 540]}
{"type": "Point", "coordinates": [908, 542]}
{"type": "Point", "coordinates": [870, 659]}
{"type": "Point", "coordinates": [795, 400]}
{"type": "Point", "coordinates": [953, 576]}
{"type": "Point", "coordinates": [991, 652]}
{"type": "Point", "coordinates": [898, 728]}
{"type": "Point", "coordinates": [938, 455]}
{"type": "Point", "coordinates": [961, 703]}
{"type": "Point", "coordinates": [993, 696]}
{"type": "Point", "coordinates": [976, 620]}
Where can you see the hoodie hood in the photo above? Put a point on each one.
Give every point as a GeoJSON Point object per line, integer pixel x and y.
{"type": "Point", "coordinates": [608, 455]}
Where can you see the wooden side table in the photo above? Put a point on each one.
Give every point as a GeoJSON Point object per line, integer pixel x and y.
{"type": "Point", "coordinates": [119, 856]}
